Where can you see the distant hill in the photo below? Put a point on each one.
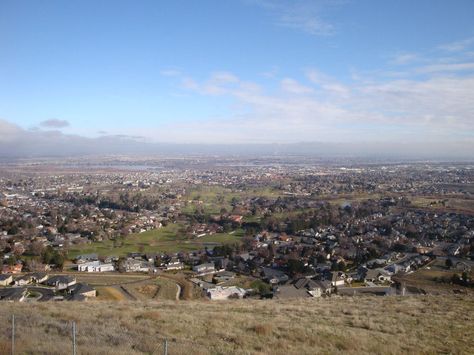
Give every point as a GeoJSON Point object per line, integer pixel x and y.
{"type": "Point", "coordinates": [394, 325]}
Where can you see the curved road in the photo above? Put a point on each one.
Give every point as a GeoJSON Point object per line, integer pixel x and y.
{"type": "Point", "coordinates": [178, 292]}
{"type": "Point", "coordinates": [46, 293]}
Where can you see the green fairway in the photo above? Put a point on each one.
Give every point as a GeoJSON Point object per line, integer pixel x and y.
{"type": "Point", "coordinates": [169, 239]}
{"type": "Point", "coordinates": [214, 198]}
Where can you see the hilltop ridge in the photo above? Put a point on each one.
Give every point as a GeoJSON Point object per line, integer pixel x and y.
{"type": "Point", "coordinates": [394, 325]}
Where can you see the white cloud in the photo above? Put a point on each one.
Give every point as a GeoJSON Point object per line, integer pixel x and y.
{"type": "Point", "coordinates": [293, 87]}
{"type": "Point", "coordinates": [54, 123]}
{"type": "Point", "coordinates": [446, 67]}
{"type": "Point", "coordinates": [457, 46]}
{"type": "Point", "coordinates": [8, 131]}
{"type": "Point", "coordinates": [404, 58]}
{"type": "Point", "coordinates": [301, 15]}
{"type": "Point", "coordinates": [432, 107]}
{"type": "Point", "coordinates": [170, 72]}
{"type": "Point", "coordinates": [328, 85]}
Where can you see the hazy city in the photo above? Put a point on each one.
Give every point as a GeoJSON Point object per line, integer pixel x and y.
{"type": "Point", "coordinates": [242, 177]}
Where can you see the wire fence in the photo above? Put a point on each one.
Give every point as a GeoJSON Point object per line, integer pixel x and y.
{"type": "Point", "coordinates": [20, 334]}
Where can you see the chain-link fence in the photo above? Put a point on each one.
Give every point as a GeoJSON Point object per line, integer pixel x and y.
{"type": "Point", "coordinates": [20, 334]}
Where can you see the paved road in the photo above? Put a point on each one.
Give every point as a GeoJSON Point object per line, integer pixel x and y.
{"type": "Point", "coordinates": [178, 292]}
{"type": "Point", "coordinates": [374, 290]}
{"type": "Point", "coordinates": [47, 294]}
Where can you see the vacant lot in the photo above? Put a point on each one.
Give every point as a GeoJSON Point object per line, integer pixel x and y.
{"type": "Point", "coordinates": [108, 279]}
{"type": "Point", "coordinates": [154, 289]}
{"type": "Point", "coordinates": [430, 280]}
{"type": "Point", "coordinates": [445, 204]}
{"type": "Point", "coordinates": [365, 325]}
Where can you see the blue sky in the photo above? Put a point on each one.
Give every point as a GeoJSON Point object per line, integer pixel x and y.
{"type": "Point", "coordinates": [239, 71]}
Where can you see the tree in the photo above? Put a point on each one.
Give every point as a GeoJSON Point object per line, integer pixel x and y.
{"type": "Point", "coordinates": [36, 248]}
{"type": "Point", "coordinates": [58, 260]}
{"type": "Point", "coordinates": [296, 267]}
{"type": "Point", "coordinates": [11, 260]}
{"type": "Point", "coordinates": [449, 263]}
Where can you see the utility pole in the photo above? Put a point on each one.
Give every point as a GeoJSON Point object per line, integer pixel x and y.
{"type": "Point", "coordinates": [13, 334]}
{"type": "Point", "coordinates": [165, 347]}
{"type": "Point", "coordinates": [73, 338]}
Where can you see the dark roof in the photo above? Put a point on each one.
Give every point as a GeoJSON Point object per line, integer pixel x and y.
{"type": "Point", "coordinates": [76, 297]}
{"type": "Point", "coordinates": [4, 276]}
{"type": "Point", "coordinates": [12, 294]}
{"type": "Point", "coordinates": [38, 275]}
{"type": "Point", "coordinates": [87, 257]}
{"type": "Point", "coordinates": [301, 283]}
{"type": "Point", "coordinates": [24, 277]}
{"type": "Point", "coordinates": [59, 279]}
{"type": "Point", "coordinates": [80, 288]}
{"type": "Point", "coordinates": [309, 284]}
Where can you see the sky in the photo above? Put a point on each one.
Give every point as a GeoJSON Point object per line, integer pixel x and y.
{"type": "Point", "coordinates": [241, 71]}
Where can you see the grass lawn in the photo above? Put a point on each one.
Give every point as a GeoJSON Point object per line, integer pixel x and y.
{"type": "Point", "coordinates": [169, 239]}
{"type": "Point", "coordinates": [214, 198]}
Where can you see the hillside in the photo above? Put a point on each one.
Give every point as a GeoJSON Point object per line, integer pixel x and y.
{"type": "Point", "coordinates": [422, 324]}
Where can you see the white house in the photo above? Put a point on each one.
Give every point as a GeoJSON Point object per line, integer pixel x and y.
{"type": "Point", "coordinates": [61, 282]}
{"type": "Point", "coordinates": [174, 265]}
{"type": "Point", "coordinates": [224, 293]}
{"type": "Point", "coordinates": [6, 280]}
{"type": "Point", "coordinates": [132, 265]}
{"type": "Point", "coordinates": [204, 269]}
{"type": "Point", "coordinates": [95, 266]}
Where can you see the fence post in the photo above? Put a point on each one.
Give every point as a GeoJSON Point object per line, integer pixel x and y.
{"type": "Point", "coordinates": [73, 338]}
{"type": "Point", "coordinates": [165, 347]}
{"type": "Point", "coordinates": [13, 334]}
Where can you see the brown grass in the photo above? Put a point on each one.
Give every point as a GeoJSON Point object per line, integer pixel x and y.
{"type": "Point", "coordinates": [375, 325]}
{"type": "Point", "coordinates": [153, 289]}
{"type": "Point", "coordinates": [263, 329]}
{"type": "Point", "coordinates": [106, 293]}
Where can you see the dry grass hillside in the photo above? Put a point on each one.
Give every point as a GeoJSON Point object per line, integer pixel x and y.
{"type": "Point", "coordinates": [388, 325]}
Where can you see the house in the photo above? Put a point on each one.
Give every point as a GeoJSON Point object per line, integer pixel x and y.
{"type": "Point", "coordinates": [95, 266]}
{"type": "Point", "coordinates": [463, 266]}
{"type": "Point", "coordinates": [224, 293]}
{"type": "Point", "coordinates": [39, 277]}
{"type": "Point", "coordinates": [223, 276]}
{"type": "Point", "coordinates": [313, 287]}
{"type": "Point", "coordinates": [236, 218]}
{"type": "Point", "coordinates": [13, 294]}
{"type": "Point", "coordinates": [202, 284]}
{"type": "Point", "coordinates": [337, 279]}
{"type": "Point", "coordinates": [374, 275]}
{"type": "Point", "coordinates": [23, 280]}
{"type": "Point", "coordinates": [204, 269]}
{"type": "Point", "coordinates": [12, 269]}
{"type": "Point", "coordinates": [60, 282]}
{"type": "Point", "coordinates": [133, 265]}
{"type": "Point", "coordinates": [87, 257]}
{"type": "Point", "coordinates": [174, 264]}
{"type": "Point", "coordinates": [274, 276]}
{"type": "Point", "coordinates": [5, 280]}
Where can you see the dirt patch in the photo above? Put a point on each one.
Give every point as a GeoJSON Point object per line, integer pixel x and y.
{"type": "Point", "coordinates": [150, 291]}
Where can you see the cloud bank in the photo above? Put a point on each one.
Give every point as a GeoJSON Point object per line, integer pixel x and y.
{"type": "Point", "coordinates": [54, 123]}
{"type": "Point", "coordinates": [16, 142]}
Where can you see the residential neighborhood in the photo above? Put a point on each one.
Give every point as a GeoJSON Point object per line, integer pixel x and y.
{"type": "Point", "coordinates": [276, 229]}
